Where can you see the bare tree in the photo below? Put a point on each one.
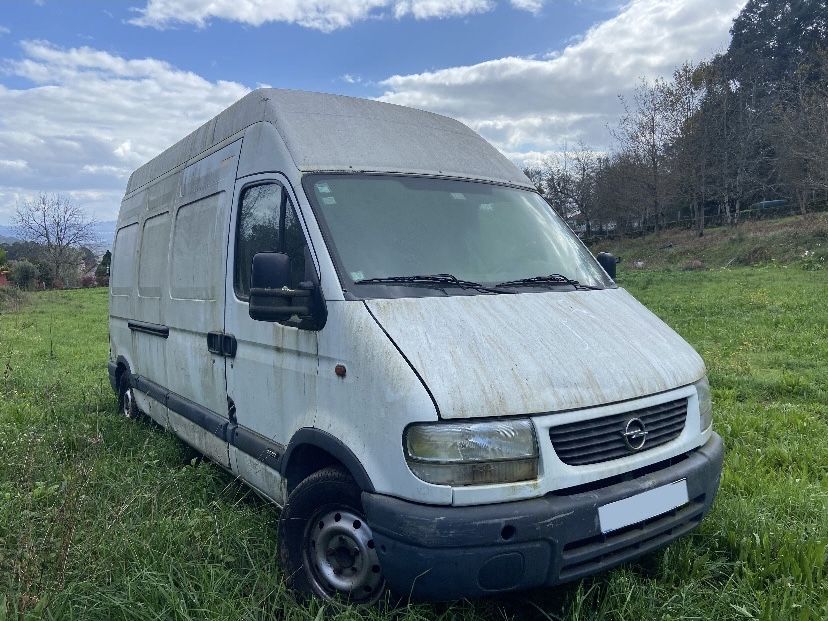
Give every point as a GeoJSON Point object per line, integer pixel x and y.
{"type": "Point", "coordinates": [57, 223]}
{"type": "Point", "coordinates": [644, 132]}
{"type": "Point", "coordinates": [576, 182]}
{"type": "Point", "coordinates": [689, 142]}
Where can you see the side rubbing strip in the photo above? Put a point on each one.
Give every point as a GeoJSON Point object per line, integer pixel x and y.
{"type": "Point", "coordinates": [201, 416]}
{"type": "Point", "coordinates": [155, 329]}
{"type": "Point", "coordinates": [265, 450]}
{"type": "Point", "coordinates": [257, 446]}
{"type": "Point", "coordinates": [150, 388]}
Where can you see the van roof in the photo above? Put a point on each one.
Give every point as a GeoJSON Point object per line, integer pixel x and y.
{"type": "Point", "coordinates": [334, 133]}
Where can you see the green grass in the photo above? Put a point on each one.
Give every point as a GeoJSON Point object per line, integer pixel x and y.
{"type": "Point", "coordinates": [103, 518]}
{"type": "Point", "coordinates": [12, 298]}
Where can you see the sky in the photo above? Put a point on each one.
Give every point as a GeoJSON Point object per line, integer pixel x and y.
{"type": "Point", "coordinates": [92, 89]}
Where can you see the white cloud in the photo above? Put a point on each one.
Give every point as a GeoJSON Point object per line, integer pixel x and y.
{"type": "Point", "coordinates": [426, 9]}
{"type": "Point", "coordinates": [533, 6]}
{"type": "Point", "coordinates": [91, 118]}
{"type": "Point", "coordinates": [537, 105]}
{"type": "Point", "coordinates": [14, 164]}
{"type": "Point", "coordinates": [4, 31]}
{"type": "Point", "coordinates": [324, 15]}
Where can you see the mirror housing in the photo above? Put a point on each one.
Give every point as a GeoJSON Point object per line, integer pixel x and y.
{"type": "Point", "coordinates": [608, 262]}
{"type": "Point", "coordinates": [271, 299]}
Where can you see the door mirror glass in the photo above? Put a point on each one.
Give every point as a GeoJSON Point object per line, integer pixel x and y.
{"type": "Point", "coordinates": [271, 270]}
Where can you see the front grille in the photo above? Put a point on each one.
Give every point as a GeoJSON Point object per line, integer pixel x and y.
{"type": "Point", "coordinates": [580, 558]}
{"type": "Point", "coordinates": [600, 439]}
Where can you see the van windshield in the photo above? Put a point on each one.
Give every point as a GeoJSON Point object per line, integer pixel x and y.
{"type": "Point", "coordinates": [382, 226]}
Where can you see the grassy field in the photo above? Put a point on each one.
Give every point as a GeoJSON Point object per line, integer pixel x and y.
{"type": "Point", "coordinates": [781, 241]}
{"type": "Point", "coordinates": [103, 518]}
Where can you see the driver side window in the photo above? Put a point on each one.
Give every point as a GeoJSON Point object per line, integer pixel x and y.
{"type": "Point", "coordinates": [267, 222]}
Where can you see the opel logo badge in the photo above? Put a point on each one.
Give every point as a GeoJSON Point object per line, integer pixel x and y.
{"type": "Point", "coordinates": [635, 434]}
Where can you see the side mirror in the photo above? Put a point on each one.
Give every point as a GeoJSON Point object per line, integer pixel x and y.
{"type": "Point", "coordinates": [608, 262]}
{"type": "Point", "coordinates": [270, 297]}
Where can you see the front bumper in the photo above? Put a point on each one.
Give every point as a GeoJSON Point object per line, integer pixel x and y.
{"type": "Point", "coordinates": [441, 553]}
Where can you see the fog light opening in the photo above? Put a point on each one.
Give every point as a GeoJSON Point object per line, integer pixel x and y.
{"type": "Point", "coordinates": [507, 532]}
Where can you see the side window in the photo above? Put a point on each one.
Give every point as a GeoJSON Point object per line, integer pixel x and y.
{"type": "Point", "coordinates": [267, 222]}
{"type": "Point", "coordinates": [122, 271]}
{"type": "Point", "coordinates": [152, 264]}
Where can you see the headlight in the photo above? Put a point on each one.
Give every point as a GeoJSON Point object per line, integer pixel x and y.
{"type": "Point", "coordinates": [705, 403]}
{"type": "Point", "coordinates": [472, 453]}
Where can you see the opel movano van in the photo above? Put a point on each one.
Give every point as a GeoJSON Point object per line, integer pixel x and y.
{"type": "Point", "coordinates": [371, 316]}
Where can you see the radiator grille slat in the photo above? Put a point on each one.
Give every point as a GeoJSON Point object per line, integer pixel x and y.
{"type": "Point", "coordinates": [601, 439]}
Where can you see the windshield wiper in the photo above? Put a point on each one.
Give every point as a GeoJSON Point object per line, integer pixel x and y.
{"type": "Point", "coordinates": [549, 279]}
{"type": "Point", "coordinates": [430, 280]}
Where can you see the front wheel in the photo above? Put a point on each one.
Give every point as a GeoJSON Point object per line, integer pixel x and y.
{"type": "Point", "coordinates": [324, 543]}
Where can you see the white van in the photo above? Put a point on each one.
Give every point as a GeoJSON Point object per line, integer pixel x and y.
{"type": "Point", "coordinates": [370, 315]}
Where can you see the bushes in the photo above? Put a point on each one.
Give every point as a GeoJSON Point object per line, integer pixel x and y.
{"type": "Point", "coordinates": [23, 274]}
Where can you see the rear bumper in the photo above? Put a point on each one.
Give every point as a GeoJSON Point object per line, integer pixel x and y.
{"type": "Point", "coordinates": [441, 553]}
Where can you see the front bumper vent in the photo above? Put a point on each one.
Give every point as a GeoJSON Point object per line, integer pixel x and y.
{"type": "Point", "coordinates": [602, 439]}
{"type": "Point", "coordinates": [584, 557]}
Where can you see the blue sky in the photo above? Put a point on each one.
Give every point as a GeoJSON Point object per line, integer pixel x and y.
{"type": "Point", "coordinates": [292, 56]}
{"type": "Point", "coordinates": [91, 89]}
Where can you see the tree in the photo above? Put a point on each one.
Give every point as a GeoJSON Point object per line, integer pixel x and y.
{"type": "Point", "coordinates": [44, 273]}
{"type": "Point", "coordinates": [102, 271]}
{"type": "Point", "coordinates": [58, 224]}
{"type": "Point", "coordinates": [771, 39]}
{"type": "Point", "coordinates": [575, 183]}
{"type": "Point", "coordinates": [536, 176]}
{"type": "Point", "coordinates": [800, 136]}
{"type": "Point", "coordinates": [2, 257]}
{"type": "Point", "coordinates": [643, 132]}
{"type": "Point", "coordinates": [23, 274]}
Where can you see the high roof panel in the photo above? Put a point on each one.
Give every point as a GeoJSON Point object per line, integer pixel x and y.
{"type": "Point", "coordinates": [332, 132]}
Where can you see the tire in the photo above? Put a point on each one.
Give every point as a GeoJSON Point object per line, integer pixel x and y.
{"type": "Point", "coordinates": [325, 546]}
{"type": "Point", "coordinates": [126, 398]}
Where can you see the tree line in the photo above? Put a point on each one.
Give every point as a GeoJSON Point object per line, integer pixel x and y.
{"type": "Point", "coordinates": [743, 132]}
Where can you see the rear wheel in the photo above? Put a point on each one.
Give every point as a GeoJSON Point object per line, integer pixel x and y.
{"type": "Point", "coordinates": [325, 545]}
{"type": "Point", "coordinates": [126, 397]}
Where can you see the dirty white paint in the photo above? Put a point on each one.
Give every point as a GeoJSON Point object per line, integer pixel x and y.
{"type": "Point", "coordinates": [194, 435]}
{"type": "Point", "coordinates": [332, 132]}
{"type": "Point", "coordinates": [264, 480]}
{"type": "Point", "coordinates": [532, 353]}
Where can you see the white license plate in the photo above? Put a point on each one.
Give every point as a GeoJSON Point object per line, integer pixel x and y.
{"type": "Point", "coordinates": [642, 506]}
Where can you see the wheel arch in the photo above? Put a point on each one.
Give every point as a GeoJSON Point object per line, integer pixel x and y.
{"type": "Point", "coordinates": [311, 449]}
{"type": "Point", "coordinates": [121, 366]}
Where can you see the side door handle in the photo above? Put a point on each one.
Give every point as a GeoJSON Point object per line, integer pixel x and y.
{"type": "Point", "coordinates": [221, 344]}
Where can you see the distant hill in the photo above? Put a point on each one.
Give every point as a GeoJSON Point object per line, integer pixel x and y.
{"type": "Point", "coordinates": [8, 235]}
